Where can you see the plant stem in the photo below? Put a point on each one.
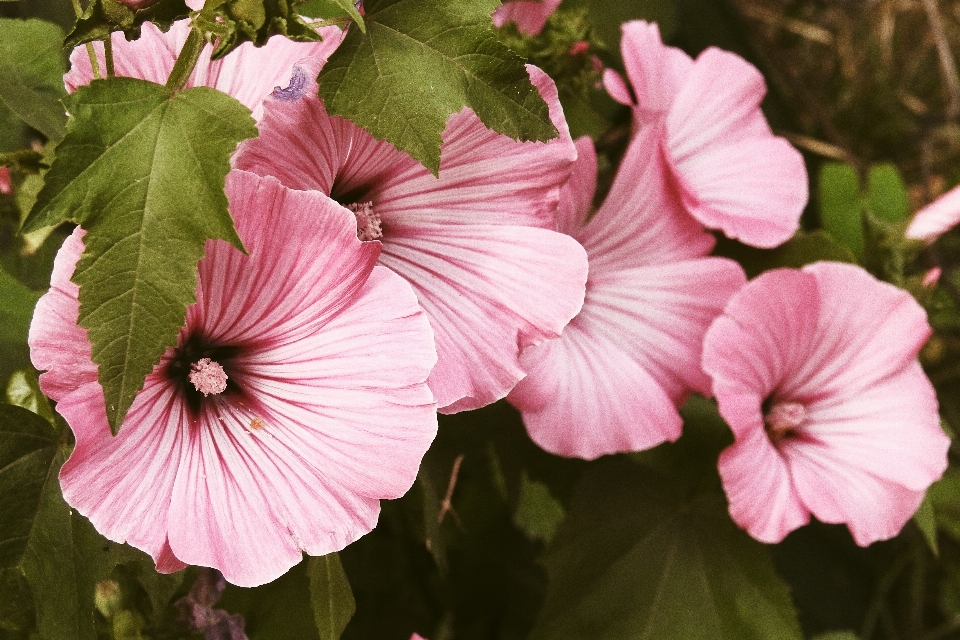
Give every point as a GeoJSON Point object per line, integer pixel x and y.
{"type": "Point", "coordinates": [187, 60]}
{"type": "Point", "coordinates": [108, 55]}
{"type": "Point", "coordinates": [78, 9]}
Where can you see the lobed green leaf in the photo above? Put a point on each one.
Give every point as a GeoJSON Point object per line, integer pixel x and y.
{"type": "Point", "coordinates": [418, 62]}
{"type": "Point", "coordinates": [142, 169]}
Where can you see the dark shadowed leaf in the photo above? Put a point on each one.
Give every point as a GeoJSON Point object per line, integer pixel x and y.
{"type": "Point", "coordinates": [330, 596]}
{"type": "Point", "coordinates": [31, 74]}
{"type": "Point", "coordinates": [635, 560]}
{"type": "Point", "coordinates": [233, 22]}
{"type": "Point", "coordinates": [142, 170]}
{"type": "Point", "coordinates": [418, 62]}
{"type": "Point", "coordinates": [102, 17]}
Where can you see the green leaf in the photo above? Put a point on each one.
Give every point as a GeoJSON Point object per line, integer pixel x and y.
{"type": "Point", "coordinates": [31, 74]}
{"type": "Point", "coordinates": [278, 610]}
{"type": "Point", "coordinates": [420, 61]}
{"type": "Point", "coordinates": [538, 512]}
{"type": "Point", "coordinates": [103, 17]}
{"type": "Point", "coordinates": [841, 204]}
{"type": "Point", "coordinates": [802, 249]}
{"type": "Point", "coordinates": [926, 521]}
{"type": "Point", "coordinates": [233, 22]}
{"type": "Point", "coordinates": [330, 596]}
{"type": "Point", "coordinates": [142, 170]}
{"type": "Point", "coordinates": [887, 196]}
{"type": "Point", "coordinates": [837, 635]}
{"type": "Point", "coordinates": [944, 497]}
{"type": "Point", "coordinates": [23, 390]}
{"type": "Point", "coordinates": [634, 560]}
{"type": "Point", "coordinates": [16, 308]}
{"type": "Point", "coordinates": [331, 9]}
{"type": "Point", "coordinates": [607, 16]}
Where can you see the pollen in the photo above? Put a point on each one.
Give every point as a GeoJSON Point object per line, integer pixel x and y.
{"type": "Point", "coordinates": [208, 377]}
{"type": "Point", "coordinates": [783, 419]}
{"type": "Point", "coordinates": [257, 423]}
{"type": "Point", "coordinates": [368, 222]}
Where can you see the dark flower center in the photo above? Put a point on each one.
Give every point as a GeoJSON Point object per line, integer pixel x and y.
{"type": "Point", "coordinates": [782, 419]}
{"type": "Point", "coordinates": [203, 370]}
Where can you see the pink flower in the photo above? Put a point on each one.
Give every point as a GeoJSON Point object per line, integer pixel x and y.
{"type": "Point", "coordinates": [325, 410]}
{"type": "Point", "coordinates": [530, 16]}
{"type": "Point", "coordinates": [248, 74]}
{"type": "Point", "coordinates": [137, 4]}
{"type": "Point", "coordinates": [732, 172]}
{"type": "Point", "coordinates": [6, 187]}
{"type": "Point", "coordinates": [613, 380]}
{"type": "Point", "coordinates": [936, 218]}
{"type": "Point", "coordinates": [816, 373]}
{"type": "Point", "coordinates": [477, 243]}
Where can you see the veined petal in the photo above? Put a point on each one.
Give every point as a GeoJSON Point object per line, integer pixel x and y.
{"type": "Point", "coordinates": [490, 292]}
{"type": "Point", "coordinates": [656, 71]}
{"type": "Point", "coordinates": [856, 346]}
{"type": "Point", "coordinates": [735, 174]}
{"type": "Point", "coordinates": [576, 196]}
{"type": "Point", "coordinates": [57, 344]}
{"type": "Point", "coordinates": [758, 485]}
{"type": "Point", "coordinates": [642, 221]}
{"type": "Point", "coordinates": [585, 397]}
{"type": "Point", "coordinates": [299, 283]}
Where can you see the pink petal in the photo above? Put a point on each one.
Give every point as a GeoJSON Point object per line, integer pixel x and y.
{"type": "Point", "coordinates": [842, 346]}
{"type": "Point", "coordinates": [331, 367]}
{"type": "Point", "coordinates": [759, 489]}
{"type": "Point", "coordinates": [529, 16]}
{"type": "Point", "coordinates": [856, 346]}
{"type": "Point", "coordinates": [642, 221]}
{"type": "Point", "coordinates": [617, 87]}
{"type": "Point", "coordinates": [734, 173]}
{"type": "Point", "coordinates": [122, 483]}
{"type": "Point", "coordinates": [248, 74]}
{"type": "Point", "coordinates": [656, 72]}
{"type": "Point", "coordinates": [936, 218]}
{"type": "Point", "coordinates": [57, 345]}
{"type": "Point", "coordinates": [585, 397]}
{"type": "Point", "coordinates": [490, 292]}
{"type": "Point", "coordinates": [576, 196]}
{"type": "Point", "coordinates": [297, 284]}
{"type": "Point", "coordinates": [763, 336]}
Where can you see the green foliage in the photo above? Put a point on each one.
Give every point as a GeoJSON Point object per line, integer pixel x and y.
{"type": "Point", "coordinates": [31, 74]}
{"type": "Point", "coordinates": [926, 521]}
{"type": "Point", "coordinates": [538, 513]}
{"type": "Point", "coordinates": [280, 610]}
{"type": "Point", "coordinates": [841, 204]}
{"type": "Point", "coordinates": [944, 497]}
{"type": "Point", "coordinates": [16, 309]}
{"type": "Point", "coordinates": [23, 390]}
{"type": "Point", "coordinates": [233, 22]}
{"type": "Point", "coordinates": [142, 170]}
{"type": "Point", "coordinates": [803, 248]}
{"type": "Point", "coordinates": [635, 559]}
{"type": "Point", "coordinates": [332, 10]}
{"type": "Point", "coordinates": [418, 62]}
{"type": "Point", "coordinates": [608, 15]}
{"type": "Point", "coordinates": [330, 596]}
{"type": "Point", "coordinates": [103, 17]}
{"type": "Point", "coordinates": [844, 201]}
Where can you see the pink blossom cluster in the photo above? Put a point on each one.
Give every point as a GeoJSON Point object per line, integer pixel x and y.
{"type": "Point", "coordinates": [306, 381]}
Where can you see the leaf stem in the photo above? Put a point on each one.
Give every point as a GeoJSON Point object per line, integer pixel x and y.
{"type": "Point", "coordinates": [77, 8]}
{"type": "Point", "coordinates": [187, 60]}
{"type": "Point", "coordinates": [316, 24]}
{"type": "Point", "coordinates": [93, 61]}
{"type": "Point", "coordinates": [108, 55]}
